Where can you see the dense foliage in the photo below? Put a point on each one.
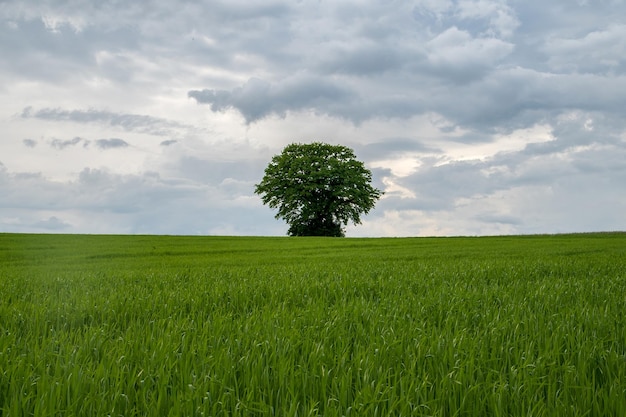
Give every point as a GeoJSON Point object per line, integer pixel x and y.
{"type": "Point", "coordinates": [318, 188]}
{"type": "Point", "coordinates": [173, 326]}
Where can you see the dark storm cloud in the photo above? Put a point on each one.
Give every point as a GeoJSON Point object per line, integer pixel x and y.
{"type": "Point", "coordinates": [476, 63]}
{"type": "Point", "coordinates": [100, 143]}
{"type": "Point", "coordinates": [62, 144]}
{"type": "Point", "coordinates": [258, 98]}
{"type": "Point", "coordinates": [168, 142]}
{"type": "Point", "coordinates": [29, 143]}
{"type": "Point", "coordinates": [111, 143]}
{"type": "Point", "coordinates": [367, 59]}
{"type": "Point", "coordinates": [484, 64]}
{"type": "Point", "coordinates": [128, 122]}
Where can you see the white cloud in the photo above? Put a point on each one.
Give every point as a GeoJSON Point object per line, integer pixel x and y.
{"type": "Point", "coordinates": [599, 51]}
{"type": "Point", "coordinates": [501, 18]}
{"type": "Point", "coordinates": [476, 116]}
{"type": "Point", "coordinates": [456, 52]}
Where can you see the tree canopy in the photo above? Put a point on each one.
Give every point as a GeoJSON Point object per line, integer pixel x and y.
{"type": "Point", "coordinates": [318, 188]}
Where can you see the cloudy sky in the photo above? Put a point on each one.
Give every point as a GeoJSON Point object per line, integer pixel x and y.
{"type": "Point", "coordinates": [476, 117]}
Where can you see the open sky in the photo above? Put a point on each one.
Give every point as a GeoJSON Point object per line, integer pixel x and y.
{"type": "Point", "coordinates": [476, 117]}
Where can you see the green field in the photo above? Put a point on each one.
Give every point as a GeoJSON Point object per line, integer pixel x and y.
{"type": "Point", "coordinates": [238, 326]}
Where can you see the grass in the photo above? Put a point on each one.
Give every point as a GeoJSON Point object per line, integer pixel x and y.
{"type": "Point", "coordinates": [225, 326]}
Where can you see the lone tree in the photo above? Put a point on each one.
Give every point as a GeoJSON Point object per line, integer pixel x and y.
{"type": "Point", "coordinates": [318, 188]}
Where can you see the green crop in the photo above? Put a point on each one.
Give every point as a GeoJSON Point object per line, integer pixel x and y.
{"type": "Point", "coordinates": [237, 326]}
